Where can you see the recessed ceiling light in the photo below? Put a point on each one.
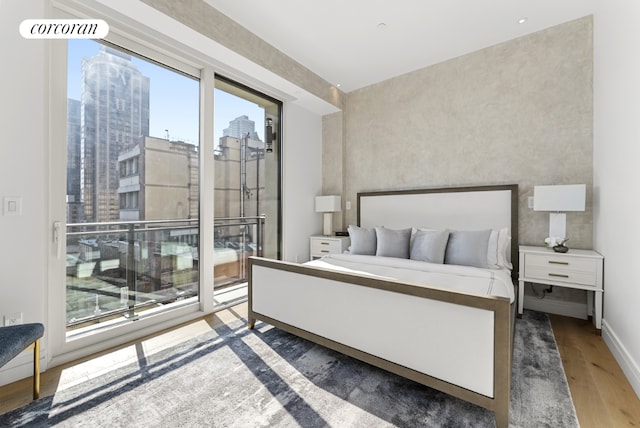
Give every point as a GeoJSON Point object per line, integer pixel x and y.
{"type": "Point", "coordinates": [522, 20]}
{"type": "Point", "coordinates": [338, 85]}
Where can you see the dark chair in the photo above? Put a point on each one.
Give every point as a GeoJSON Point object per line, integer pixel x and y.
{"type": "Point", "coordinates": [16, 338]}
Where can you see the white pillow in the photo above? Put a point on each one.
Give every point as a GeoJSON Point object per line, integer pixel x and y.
{"type": "Point", "coordinates": [492, 250]}
{"type": "Point", "coordinates": [499, 249]}
{"type": "Point", "coordinates": [504, 249]}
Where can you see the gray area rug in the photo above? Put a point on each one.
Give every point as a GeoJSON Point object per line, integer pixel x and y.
{"type": "Point", "coordinates": [235, 377]}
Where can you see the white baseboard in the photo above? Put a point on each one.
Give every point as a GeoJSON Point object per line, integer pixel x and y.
{"type": "Point", "coordinates": [21, 367]}
{"type": "Point", "coordinates": [630, 368]}
{"type": "Point", "coordinates": [558, 307]}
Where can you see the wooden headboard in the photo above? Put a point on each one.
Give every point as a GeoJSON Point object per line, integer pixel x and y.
{"type": "Point", "coordinates": [462, 208]}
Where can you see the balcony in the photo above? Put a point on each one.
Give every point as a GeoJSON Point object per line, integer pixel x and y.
{"type": "Point", "coordinates": [119, 270]}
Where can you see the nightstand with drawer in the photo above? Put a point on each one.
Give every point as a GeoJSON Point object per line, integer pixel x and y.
{"type": "Point", "coordinates": [579, 269]}
{"type": "Point", "coordinates": [323, 245]}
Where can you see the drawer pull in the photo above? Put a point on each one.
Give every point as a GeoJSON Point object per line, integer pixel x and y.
{"type": "Point", "coordinates": [324, 251]}
{"type": "Point", "coordinates": [558, 263]}
{"type": "Point", "coordinates": [324, 243]}
{"type": "Point", "coordinates": [559, 275]}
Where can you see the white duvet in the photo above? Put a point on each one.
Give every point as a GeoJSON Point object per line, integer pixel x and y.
{"type": "Point", "coordinates": [493, 282]}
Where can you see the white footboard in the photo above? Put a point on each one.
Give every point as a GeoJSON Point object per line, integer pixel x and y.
{"type": "Point", "coordinates": [454, 342]}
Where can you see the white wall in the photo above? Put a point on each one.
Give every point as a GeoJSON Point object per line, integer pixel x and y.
{"type": "Point", "coordinates": [617, 174]}
{"type": "Point", "coordinates": [23, 171]}
{"type": "Point", "coordinates": [24, 159]}
{"type": "Point", "coordinates": [302, 155]}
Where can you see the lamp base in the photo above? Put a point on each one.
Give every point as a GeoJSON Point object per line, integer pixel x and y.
{"type": "Point", "coordinates": [558, 225]}
{"type": "Point", "coordinates": [327, 224]}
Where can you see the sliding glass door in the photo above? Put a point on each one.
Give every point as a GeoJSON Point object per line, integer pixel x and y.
{"type": "Point", "coordinates": [247, 184]}
{"type": "Point", "coordinates": [133, 194]}
{"type": "Point", "coordinates": [171, 180]}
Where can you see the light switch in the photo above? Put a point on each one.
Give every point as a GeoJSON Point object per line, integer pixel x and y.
{"type": "Point", "coordinates": [11, 205]}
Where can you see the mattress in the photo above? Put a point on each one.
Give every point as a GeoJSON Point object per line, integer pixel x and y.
{"type": "Point", "coordinates": [487, 282]}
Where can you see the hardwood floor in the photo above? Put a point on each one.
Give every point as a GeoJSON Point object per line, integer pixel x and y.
{"type": "Point", "coordinates": [601, 394]}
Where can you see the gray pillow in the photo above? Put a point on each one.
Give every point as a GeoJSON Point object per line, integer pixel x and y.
{"type": "Point", "coordinates": [429, 246]}
{"type": "Point", "coordinates": [393, 243]}
{"type": "Point", "coordinates": [467, 248]}
{"type": "Point", "coordinates": [363, 241]}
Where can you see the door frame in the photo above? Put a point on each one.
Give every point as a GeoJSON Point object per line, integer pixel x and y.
{"type": "Point", "coordinates": [59, 348]}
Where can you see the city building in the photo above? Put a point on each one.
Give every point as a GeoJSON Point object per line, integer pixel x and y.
{"type": "Point", "coordinates": [75, 209]}
{"type": "Point", "coordinates": [114, 114]}
{"type": "Point", "coordinates": [159, 180]}
{"type": "Point", "coordinates": [240, 127]}
{"type": "Point", "coordinates": [239, 180]}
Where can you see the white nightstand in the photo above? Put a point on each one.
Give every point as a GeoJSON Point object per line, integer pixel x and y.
{"type": "Point", "coordinates": [323, 245]}
{"type": "Point", "coordinates": [580, 269]}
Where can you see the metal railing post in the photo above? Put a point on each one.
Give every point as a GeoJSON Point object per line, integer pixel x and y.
{"type": "Point", "coordinates": [260, 234]}
{"type": "Point", "coordinates": [131, 271]}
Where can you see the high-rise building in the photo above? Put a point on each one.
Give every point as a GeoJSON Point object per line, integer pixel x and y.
{"type": "Point", "coordinates": [75, 210]}
{"type": "Point", "coordinates": [240, 127]}
{"type": "Point", "coordinates": [114, 116]}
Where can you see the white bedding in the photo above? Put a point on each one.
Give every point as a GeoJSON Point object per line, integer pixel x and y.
{"type": "Point", "coordinates": [494, 282]}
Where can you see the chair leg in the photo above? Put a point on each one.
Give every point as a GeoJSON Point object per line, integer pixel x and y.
{"type": "Point", "coordinates": [36, 369]}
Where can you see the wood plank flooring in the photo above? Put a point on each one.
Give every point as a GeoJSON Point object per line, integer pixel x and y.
{"type": "Point", "coordinates": [601, 394]}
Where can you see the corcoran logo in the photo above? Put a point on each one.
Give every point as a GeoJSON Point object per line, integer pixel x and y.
{"type": "Point", "coordinates": [64, 29]}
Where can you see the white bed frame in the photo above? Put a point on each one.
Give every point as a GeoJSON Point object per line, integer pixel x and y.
{"type": "Point", "coordinates": [455, 342]}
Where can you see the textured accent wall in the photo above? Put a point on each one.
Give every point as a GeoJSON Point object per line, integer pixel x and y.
{"type": "Point", "coordinates": [518, 112]}
{"type": "Point", "coordinates": [332, 159]}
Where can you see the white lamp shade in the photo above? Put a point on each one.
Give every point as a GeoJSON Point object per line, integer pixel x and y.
{"type": "Point", "coordinates": [326, 204]}
{"type": "Point", "coordinates": [570, 197]}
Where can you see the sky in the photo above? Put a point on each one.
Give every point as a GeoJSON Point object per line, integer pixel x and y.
{"type": "Point", "coordinates": [173, 98]}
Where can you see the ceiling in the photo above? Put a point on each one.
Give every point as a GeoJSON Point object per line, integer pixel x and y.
{"type": "Point", "coordinates": [355, 43]}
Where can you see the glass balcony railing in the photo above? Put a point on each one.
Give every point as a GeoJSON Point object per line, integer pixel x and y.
{"type": "Point", "coordinates": [236, 238]}
{"type": "Point", "coordinates": [120, 269]}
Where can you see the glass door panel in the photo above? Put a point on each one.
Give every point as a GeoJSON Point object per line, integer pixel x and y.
{"type": "Point", "coordinates": [247, 184]}
{"type": "Point", "coordinates": [133, 189]}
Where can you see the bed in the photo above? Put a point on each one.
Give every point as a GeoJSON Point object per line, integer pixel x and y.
{"type": "Point", "coordinates": [451, 335]}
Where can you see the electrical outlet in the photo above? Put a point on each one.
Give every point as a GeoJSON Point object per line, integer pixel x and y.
{"type": "Point", "coordinates": [13, 319]}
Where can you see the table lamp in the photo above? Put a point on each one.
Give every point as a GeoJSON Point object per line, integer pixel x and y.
{"type": "Point", "coordinates": [557, 198]}
{"type": "Point", "coordinates": [328, 205]}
